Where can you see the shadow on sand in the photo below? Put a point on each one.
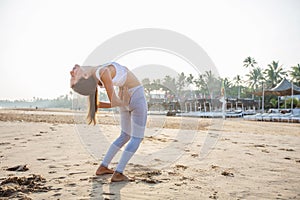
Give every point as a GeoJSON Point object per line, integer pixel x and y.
{"type": "Point", "coordinates": [103, 188]}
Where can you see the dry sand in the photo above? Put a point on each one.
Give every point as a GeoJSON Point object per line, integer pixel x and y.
{"type": "Point", "coordinates": [248, 159]}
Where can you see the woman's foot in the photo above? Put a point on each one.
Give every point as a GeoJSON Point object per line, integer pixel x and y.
{"type": "Point", "coordinates": [117, 177]}
{"type": "Point", "coordinates": [103, 170]}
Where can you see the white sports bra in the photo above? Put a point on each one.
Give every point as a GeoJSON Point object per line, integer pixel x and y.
{"type": "Point", "coordinates": [120, 77]}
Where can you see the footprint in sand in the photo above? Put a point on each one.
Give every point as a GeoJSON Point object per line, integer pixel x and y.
{"type": "Point", "coordinates": [56, 194]}
{"type": "Point", "coordinates": [43, 132]}
{"type": "Point", "coordinates": [183, 178]}
{"type": "Point", "coordinates": [92, 163]}
{"type": "Point", "coordinates": [265, 151]}
{"type": "Point", "coordinates": [4, 143]}
{"type": "Point", "coordinates": [73, 173]}
{"type": "Point", "coordinates": [148, 176]}
{"type": "Point", "coordinates": [214, 195]}
{"type": "Point", "coordinates": [41, 159]}
{"type": "Point", "coordinates": [53, 128]}
{"type": "Point", "coordinates": [71, 185]}
{"type": "Point", "coordinates": [195, 155]}
{"type": "Point", "coordinates": [181, 167]}
{"type": "Point", "coordinates": [151, 181]}
{"type": "Point", "coordinates": [99, 180]}
{"type": "Point", "coordinates": [107, 193]}
{"type": "Point", "coordinates": [283, 149]}
{"type": "Point", "coordinates": [259, 145]}
{"type": "Point", "coordinates": [58, 180]}
{"type": "Point", "coordinates": [173, 174]}
{"type": "Point", "coordinates": [180, 184]}
{"type": "Point", "coordinates": [215, 167]}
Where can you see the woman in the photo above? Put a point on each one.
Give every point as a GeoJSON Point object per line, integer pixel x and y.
{"type": "Point", "coordinates": [132, 103]}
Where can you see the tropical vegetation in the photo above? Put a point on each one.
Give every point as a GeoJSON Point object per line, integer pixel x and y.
{"type": "Point", "coordinates": [208, 85]}
{"type": "Point", "coordinates": [205, 85]}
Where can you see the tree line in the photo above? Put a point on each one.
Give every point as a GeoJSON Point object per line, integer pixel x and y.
{"type": "Point", "coordinates": [206, 85]}
{"type": "Point", "coordinates": [63, 101]}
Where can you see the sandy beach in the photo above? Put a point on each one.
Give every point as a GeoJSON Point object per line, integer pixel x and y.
{"type": "Point", "coordinates": [57, 155]}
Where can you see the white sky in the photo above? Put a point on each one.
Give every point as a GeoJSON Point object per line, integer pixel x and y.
{"type": "Point", "coordinates": [40, 41]}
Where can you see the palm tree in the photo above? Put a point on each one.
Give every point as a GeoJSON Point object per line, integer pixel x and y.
{"type": "Point", "coordinates": [200, 83]}
{"type": "Point", "coordinates": [189, 79]}
{"type": "Point", "coordinates": [249, 62]}
{"type": "Point", "coordinates": [156, 85]}
{"type": "Point", "coordinates": [147, 85]}
{"type": "Point", "coordinates": [169, 83]}
{"type": "Point", "coordinates": [255, 77]}
{"type": "Point", "coordinates": [237, 80]}
{"type": "Point", "coordinates": [295, 74]}
{"type": "Point", "coordinates": [212, 83]}
{"type": "Point", "coordinates": [274, 74]}
{"type": "Point", "coordinates": [180, 83]}
{"type": "Point", "coordinates": [227, 85]}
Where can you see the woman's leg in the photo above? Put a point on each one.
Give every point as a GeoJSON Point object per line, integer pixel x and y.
{"type": "Point", "coordinates": [114, 148]}
{"type": "Point", "coordinates": [121, 140]}
{"type": "Point", "coordinates": [138, 124]}
{"type": "Point", "coordinates": [130, 149]}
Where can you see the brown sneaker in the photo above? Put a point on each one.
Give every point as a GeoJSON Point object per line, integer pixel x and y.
{"type": "Point", "coordinates": [117, 177]}
{"type": "Point", "coordinates": [103, 170]}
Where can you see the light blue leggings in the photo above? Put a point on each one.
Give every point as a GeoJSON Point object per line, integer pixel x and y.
{"type": "Point", "coordinates": [133, 123]}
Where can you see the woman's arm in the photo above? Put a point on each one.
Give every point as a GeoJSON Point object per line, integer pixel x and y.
{"type": "Point", "coordinates": [102, 104]}
{"type": "Point", "coordinates": [108, 84]}
{"type": "Point", "coordinates": [123, 95]}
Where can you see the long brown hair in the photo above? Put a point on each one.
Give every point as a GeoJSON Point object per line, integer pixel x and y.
{"type": "Point", "coordinates": [88, 87]}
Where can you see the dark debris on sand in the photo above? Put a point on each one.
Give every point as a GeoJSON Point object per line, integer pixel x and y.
{"type": "Point", "coordinates": [149, 177]}
{"type": "Point", "coordinates": [18, 168]}
{"type": "Point", "coordinates": [14, 186]}
{"type": "Point", "coordinates": [227, 173]}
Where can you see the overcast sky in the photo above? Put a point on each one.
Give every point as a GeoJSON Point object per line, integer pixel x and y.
{"type": "Point", "coordinates": [42, 40]}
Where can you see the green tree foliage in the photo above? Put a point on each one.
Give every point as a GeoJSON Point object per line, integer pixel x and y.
{"type": "Point", "coordinates": [249, 62]}
{"type": "Point", "coordinates": [273, 74]}
{"type": "Point", "coordinates": [295, 74]}
{"type": "Point", "coordinates": [237, 82]}
{"type": "Point", "coordinates": [255, 78]}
